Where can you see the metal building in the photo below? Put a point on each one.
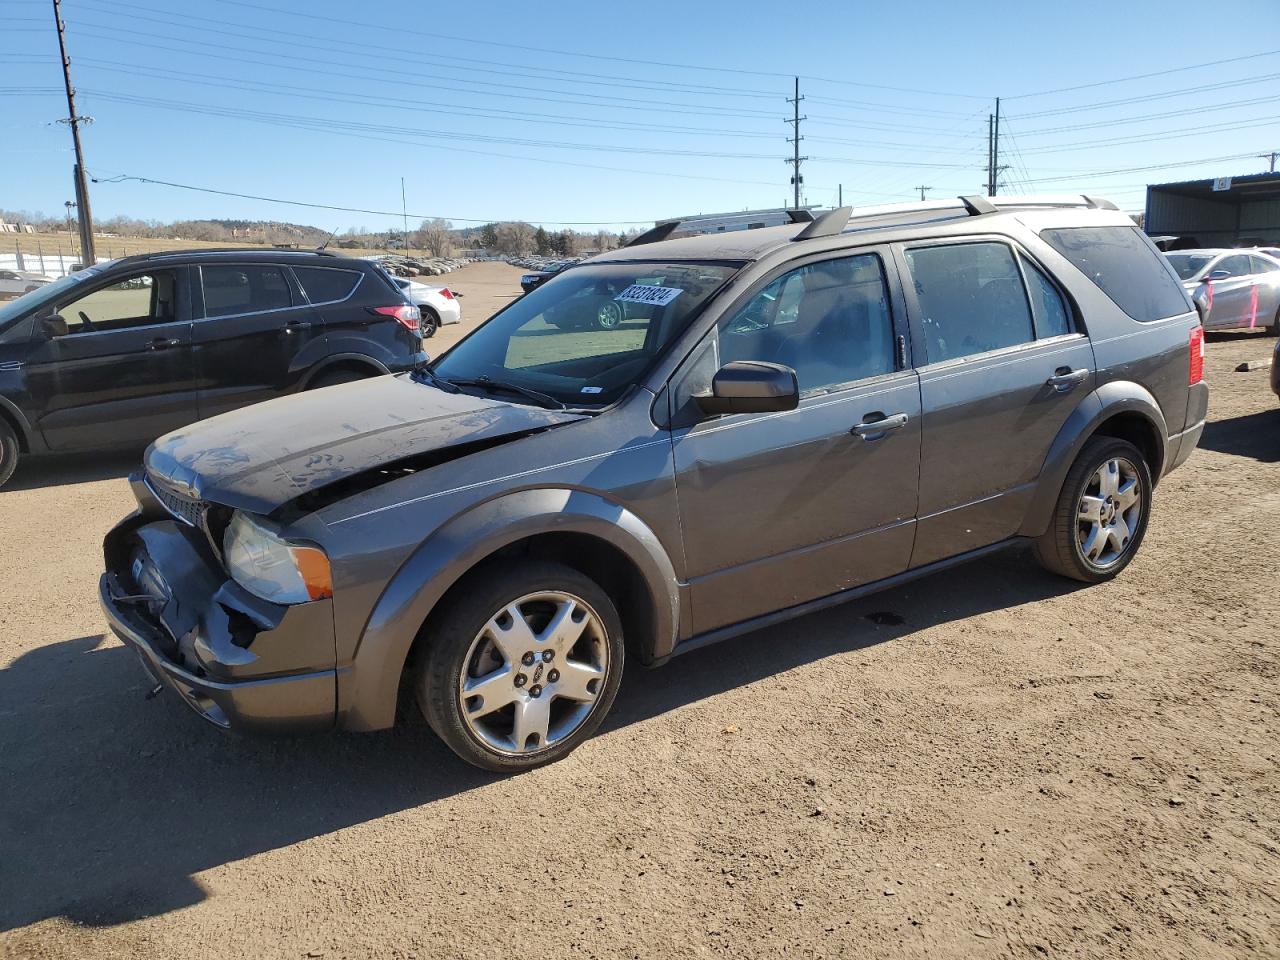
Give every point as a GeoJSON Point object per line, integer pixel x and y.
{"type": "Point", "coordinates": [725, 222]}
{"type": "Point", "coordinates": [1224, 212]}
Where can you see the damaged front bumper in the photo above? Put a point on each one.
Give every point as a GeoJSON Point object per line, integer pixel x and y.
{"type": "Point", "coordinates": [238, 661]}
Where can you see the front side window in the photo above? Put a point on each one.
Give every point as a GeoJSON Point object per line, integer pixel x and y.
{"type": "Point", "coordinates": [586, 335]}
{"type": "Point", "coordinates": [1237, 265]}
{"type": "Point", "coordinates": [1123, 264]}
{"type": "Point", "coordinates": [243, 288]}
{"type": "Point", "coordinates": [971, 299]}
{"type": "Point", "coordinates": [828, 321]}
{"type": "Point", "coordinates": [140, 299]}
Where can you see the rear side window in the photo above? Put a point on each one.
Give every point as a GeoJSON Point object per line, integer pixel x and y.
{"type": "Point", "coordinates": [971, 299]}
{"type": "Point", "coordinates": [1052, 319]}
{"type": "Point", "coordinates": [1125, 267]}
{"type": "Point", "coordinates": [244, 288]}
{"type": "Point", "coordinates": [1263, 265]}
{"type": "Point", "coordinates": [323, 285]}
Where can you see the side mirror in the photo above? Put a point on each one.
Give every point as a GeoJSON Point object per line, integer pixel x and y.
{"type": "Point", "coordinates": [1218, 275]}
{"type": "Point", "coordinates": [54, 325]}
{"type": "Point", "coordinates": [751, 386]}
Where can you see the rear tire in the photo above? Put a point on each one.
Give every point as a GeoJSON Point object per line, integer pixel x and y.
{"type": "Point", "coordinates": [331, 378]}
{"type": "Point", "coordinates": [430, 323]}
{"type": "Point", "coordinates": [1274, 329]}
{"type": "Point", "coordinates": [1101, 515]}
{"type": "Point", "coordinates": [490, 682]}
{"type": "Point", "coordinates": [9, 451]}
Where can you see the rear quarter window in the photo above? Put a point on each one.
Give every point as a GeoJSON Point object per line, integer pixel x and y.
{"type": "Point", "coordinates": [324, 285]}
{"type": "Point", "coordinates": [1125, 267]}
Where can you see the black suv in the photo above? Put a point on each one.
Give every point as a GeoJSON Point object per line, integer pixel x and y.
{"type": "Point", "coordinates": [124, 351]}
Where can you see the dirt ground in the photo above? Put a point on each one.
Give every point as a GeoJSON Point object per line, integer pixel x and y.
{"type": "Point", "coordinates": [1021, 768]}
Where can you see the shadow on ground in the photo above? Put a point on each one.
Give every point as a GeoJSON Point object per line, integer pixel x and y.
{"type": "Point", "coordinates": [111, 803]}
{"type": "Point", "coordinates": [63, 469]}
{"type": "Point", "coordinates": [1255, 435]}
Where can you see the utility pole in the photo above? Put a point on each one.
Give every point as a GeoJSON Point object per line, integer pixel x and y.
{"type": "Point", "coordinates": [995, 152]}
{"type": "Point", "coordinates": [1272, 157]}
{"type": "Point", "coordinates": [991, 175]}
{"type": "Point", "coordinates": [839, 195]}
{"type": "Point", "coordinates": [70, 233]}
{"type": "Point", "coordinates": [82, 182]}
{"type": "Point", "coordinates": [922, 190]}
{"type": "Point", "coordinates": [404, 210]}
{"type": "Point", "coordinates": [796, 159]}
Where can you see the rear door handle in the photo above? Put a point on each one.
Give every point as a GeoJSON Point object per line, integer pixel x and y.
{"type": "Point", "coordinates": [876, 425]}
{"type": "Point", "coordinates": [1064, 378]}
{"type": "Point", "coordinates": [160, 343]}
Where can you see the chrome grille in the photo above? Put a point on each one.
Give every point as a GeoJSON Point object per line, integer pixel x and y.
{"type": "Point", "coordinates": [187, 509]}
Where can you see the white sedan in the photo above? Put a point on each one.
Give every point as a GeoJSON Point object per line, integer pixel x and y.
{"type": "Point", "coordinates": [20, 281]}
{"type": "Point", "coordinates": [439, 305]}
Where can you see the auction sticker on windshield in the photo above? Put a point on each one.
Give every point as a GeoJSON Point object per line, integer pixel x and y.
{"type": "Point", "coordinates": [653, 296]}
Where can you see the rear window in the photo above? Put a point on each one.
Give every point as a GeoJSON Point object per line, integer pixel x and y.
{"type": "Point", "coordinates": [323, 285]}
{"type": "Point", "coordinates": [1125, 267]}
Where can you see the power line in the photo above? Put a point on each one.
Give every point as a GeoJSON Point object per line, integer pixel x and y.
{"type": "Point", "coordinates": [1145, 76]}
{"type": "Point", "coordinates": [1185, 111]}
{"type": "Point", "coordinates": [610, 58]}
{"type": "Point", "coordinates": [1157, 166]}
{"type": "Point", "coordinates": [328, 206]}
{"type": "Point", "coordinates": [1102, 104]}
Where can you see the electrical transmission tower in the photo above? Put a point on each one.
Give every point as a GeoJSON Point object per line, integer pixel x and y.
{"type": "Point", "coordinates": [794, 140]}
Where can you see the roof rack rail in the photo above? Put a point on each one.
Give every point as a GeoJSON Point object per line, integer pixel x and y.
{"type": "Point", "coordinates": [660, 232]}
{"type": "Point", "coordinates": [1098, 203]}
{"type": "Point", "coordinates": [978, 205]}
{"type": "Point", "coordinates": [800, 216]}
{"type": "Point", "coordinates": [828, 225]}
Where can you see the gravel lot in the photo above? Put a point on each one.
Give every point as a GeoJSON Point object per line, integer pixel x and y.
{"type": "Point", "coordinates": [1020, 768]}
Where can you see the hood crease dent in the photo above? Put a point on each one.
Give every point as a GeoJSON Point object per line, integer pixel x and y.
{"type": "Point", "coordinates": [340, 440]}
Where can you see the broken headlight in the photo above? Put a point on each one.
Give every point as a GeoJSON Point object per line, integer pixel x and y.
{"type": "Point", "coordinates": [270, 567]}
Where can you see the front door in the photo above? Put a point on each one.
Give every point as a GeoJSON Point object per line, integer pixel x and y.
{"type": "Point", "coordinates": [121, 374]}
{"type": "Point", "coordinates": [256, 336]}
{"type": "Point", "coordinates": [1002, 365]}
{"type": "Point", "coordinates": [782, 508]}
{"type": "Point", "coordinates": [1234, 297]}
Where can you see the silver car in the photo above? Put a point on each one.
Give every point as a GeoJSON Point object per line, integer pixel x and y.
{"type": "Point", "coordinates": [1232, 288]}
{"type": "Point", "coordinates": [439, 305]}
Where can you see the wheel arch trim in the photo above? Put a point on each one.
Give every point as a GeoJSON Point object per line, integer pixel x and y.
{"type": "Point", "coordinates": [369, 689]}
{"type": "Point", "coordinates": [28, 440]}
{"type": "Point", "coordinates": [1103, 404]}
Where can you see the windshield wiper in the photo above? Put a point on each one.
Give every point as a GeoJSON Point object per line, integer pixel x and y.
{"type": "Point", "coordinates": [424, 374]}
{"type": "Point", "coordinates": [490, 385]}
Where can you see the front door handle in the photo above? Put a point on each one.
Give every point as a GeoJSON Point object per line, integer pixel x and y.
{"type": "Point", "coordinates": [876, 425]}
{"type": "Point", "coordinates": [300, 325]}
{"type": "Point", "coordinates": [160, 343]}
{"type": "Point", "coordinates": [1064, 378]}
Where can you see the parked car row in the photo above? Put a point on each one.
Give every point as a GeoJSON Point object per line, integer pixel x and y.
{"type": "Point", "coordinates": [400, 266]}
{"type": "Point", "coordinates": [789, 417]}
{"type": "Point", "coordinates": [127, 350]}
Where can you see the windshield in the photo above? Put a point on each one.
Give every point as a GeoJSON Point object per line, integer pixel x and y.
{"type": "Point", "coordinates": [586, 335]}
{"type": "Point", "coordinates": [1187, 265]}
{"type": "Point", "coordinates": [47, 294]}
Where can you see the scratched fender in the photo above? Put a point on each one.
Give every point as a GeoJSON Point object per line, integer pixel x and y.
{"type": "Point", "coordinates": [368, 688]}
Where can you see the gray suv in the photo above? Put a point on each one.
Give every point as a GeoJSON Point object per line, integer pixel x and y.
{"type": "Point", "coordinates": [779, 420]}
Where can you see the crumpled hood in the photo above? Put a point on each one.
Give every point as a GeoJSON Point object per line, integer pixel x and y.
{"type": "Point", "coordinates": [263, 456]}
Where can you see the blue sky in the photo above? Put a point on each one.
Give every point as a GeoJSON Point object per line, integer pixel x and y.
{"type": "Point", "coordinates": [616, 112]}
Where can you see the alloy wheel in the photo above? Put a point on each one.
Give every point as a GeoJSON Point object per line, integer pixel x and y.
{"type": "Point", "coordinates": [1109, 513]}
{"type": "Point", "coordinates": [609, 315]}
{"type": "Point", "coordinates": [533, 673]}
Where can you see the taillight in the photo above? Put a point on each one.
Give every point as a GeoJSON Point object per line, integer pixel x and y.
{"type": "Point", "coordinates": [446, 293]}
{"type": "Point", "coordinates": [408, 315]}
{"type": "Point", "coordinates": [1196, 372]}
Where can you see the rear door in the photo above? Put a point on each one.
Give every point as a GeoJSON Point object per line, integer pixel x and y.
{"type": "Point", "coordinates": [781, 508]}
{"type": "Point", "coordinates": [255, 335]}
{"type": "Point", "coordinates": [1002, 364]}
{"type": "Point", "coordinates": [122, 373]}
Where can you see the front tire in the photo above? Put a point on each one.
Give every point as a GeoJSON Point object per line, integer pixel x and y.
{"type": "Point", "coordinates": [9, 451]}
{"type": "Point", "coordinates": [1274, 329]}
{"type": "Point", "coordinates": [1101, 514]}
{"type": "Point", "coordinates": [522, 666]}
{"type": "Point", "coordinates": [331, 378]}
